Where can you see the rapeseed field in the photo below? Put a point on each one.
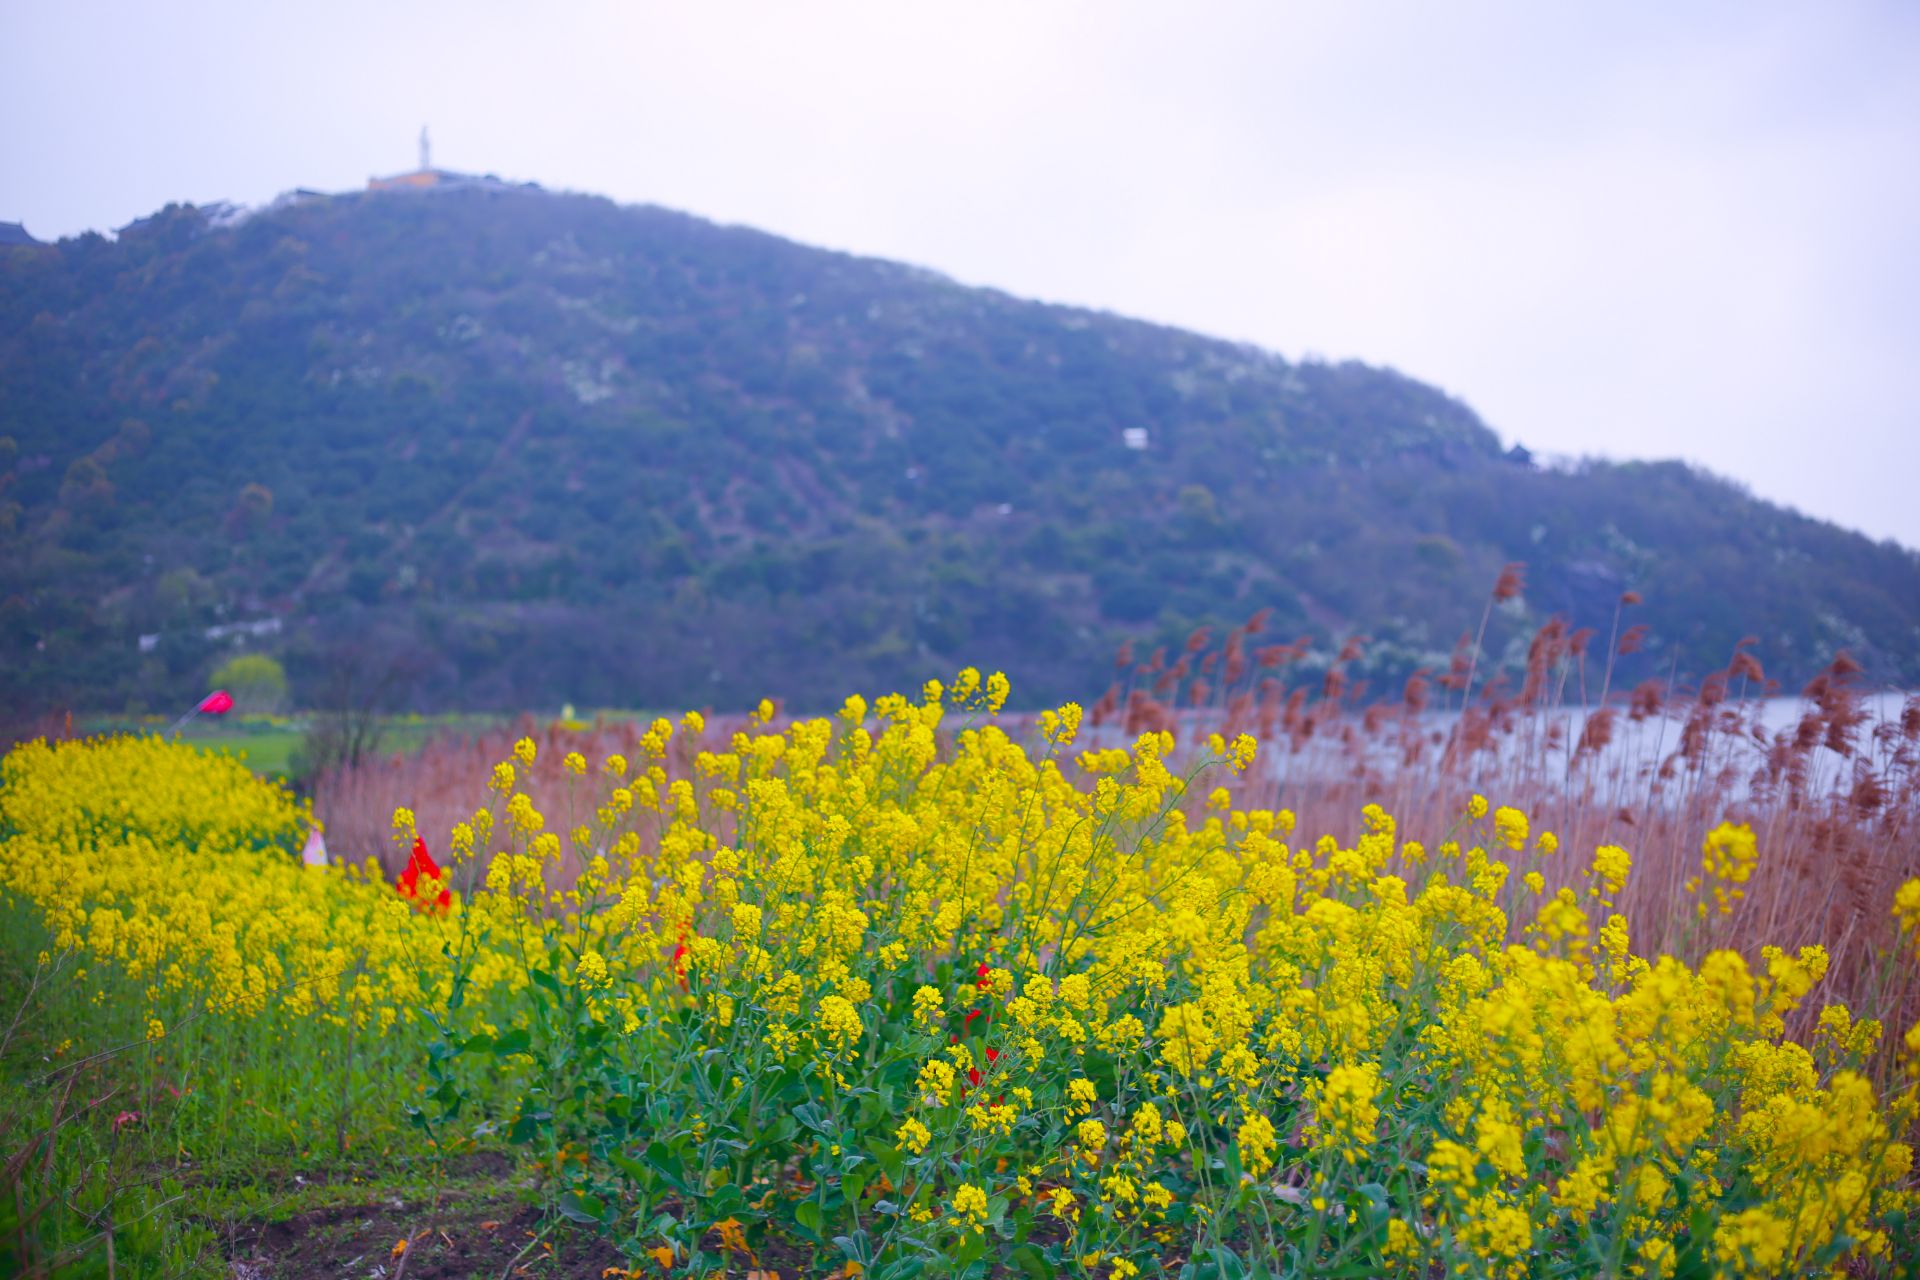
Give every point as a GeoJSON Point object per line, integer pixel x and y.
{"type": "Point", "coordinates": [898, 992]}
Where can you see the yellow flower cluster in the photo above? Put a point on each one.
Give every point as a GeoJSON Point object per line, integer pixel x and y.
{"type": "Point", "coordinates": [173, 870]}
{"type": "Point", "coordinates": [1906, 911]}
{"type": "Point", "coordinates": [1344, 1111]}
{"type": "Point", "coordinates": [1726, 864]}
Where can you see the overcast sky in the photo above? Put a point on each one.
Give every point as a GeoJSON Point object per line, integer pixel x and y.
{"type": "Point", "coordinates": [1644, 230]}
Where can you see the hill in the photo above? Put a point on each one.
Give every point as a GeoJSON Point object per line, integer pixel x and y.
{"type": "Point", "coordinates": [547, 447]}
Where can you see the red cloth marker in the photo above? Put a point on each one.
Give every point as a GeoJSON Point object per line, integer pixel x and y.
{"type": "Point", "coordinates": [422, 864]}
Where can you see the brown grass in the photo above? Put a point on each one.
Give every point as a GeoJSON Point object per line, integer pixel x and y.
{"type": "Point", "coordinates": [446, 780]}
{"type": "Point", "coordinates": [1832, 795]}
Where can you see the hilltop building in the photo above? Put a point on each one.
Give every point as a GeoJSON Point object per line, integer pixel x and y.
{"type": "Point", "coordinates": [426, 177]}
{"type": "Point", "coordinates": [14, 233]}
{"type": "Point", "coordinates": [436, 179]}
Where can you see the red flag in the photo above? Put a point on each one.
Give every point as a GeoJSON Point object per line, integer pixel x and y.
{"type": "Point", "coordinates": [217, 703]}
{"type": "Point", "coordinates": [680, 955]}
{"type": "Point", "coordinates": [421, 864]}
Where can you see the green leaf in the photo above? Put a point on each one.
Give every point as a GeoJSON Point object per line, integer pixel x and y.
{"type": "Point", "coordinates": [667, 1163]}
{"type": "Point", "coordinates": [812, 1219]}
{"type": "Point", "coordinates": [1031, 1261]}
{"type": "Point", "coordinates": [856, 1246]}
{"type": "Point", "coordinates": [585, 1209]}
{"type": "Point", "coordinates": [892, 1161]}
{"type": "Point", "coordinates": [1227, 1263]}
{"type": "Point", "coordinates": [873, 1109]}
{"type": "Point", "coordinates": [725, 1202]}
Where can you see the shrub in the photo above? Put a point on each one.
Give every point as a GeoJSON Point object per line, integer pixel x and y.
{"type": "Point", "coordinates": [257, 682]}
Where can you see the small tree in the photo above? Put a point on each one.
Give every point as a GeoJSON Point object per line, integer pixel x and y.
{"type": "Point", "coordinates": [362, 674]}
{"type": "Point", "coordinates": [258, 683]}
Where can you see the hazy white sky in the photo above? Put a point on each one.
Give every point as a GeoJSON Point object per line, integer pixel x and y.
{"type": "Point", "coordinates": [1639, 231]}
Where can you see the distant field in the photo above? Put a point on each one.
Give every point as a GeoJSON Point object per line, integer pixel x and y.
{"type": "Point", "coordinates": [270, 744]}
{"type": "Point", "coordinates": [267, 750]}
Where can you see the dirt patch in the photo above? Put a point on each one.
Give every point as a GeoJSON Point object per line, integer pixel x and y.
{"type": "Point", "coordinates": [481, 1225]}
{"type": "Point", "coordinates": [473, 1240]}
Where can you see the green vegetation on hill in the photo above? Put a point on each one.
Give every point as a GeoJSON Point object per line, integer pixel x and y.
{"type": "Point", "coordinates": [536, 447]}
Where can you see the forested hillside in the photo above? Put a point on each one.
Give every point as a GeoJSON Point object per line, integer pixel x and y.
{"type": "Point", "coordinates": [545, 447]}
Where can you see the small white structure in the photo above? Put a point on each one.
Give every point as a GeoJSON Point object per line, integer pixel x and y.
{"type": "Point", "coordinates": [315, 852]}
{"type": "Point", "coordinates": [1134, 437]}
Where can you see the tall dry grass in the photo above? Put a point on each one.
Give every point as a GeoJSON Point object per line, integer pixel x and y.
{"type": "Point", "coordinates": [1829, 782]}
{"type": "Point", "coordinates": [445, 781]}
